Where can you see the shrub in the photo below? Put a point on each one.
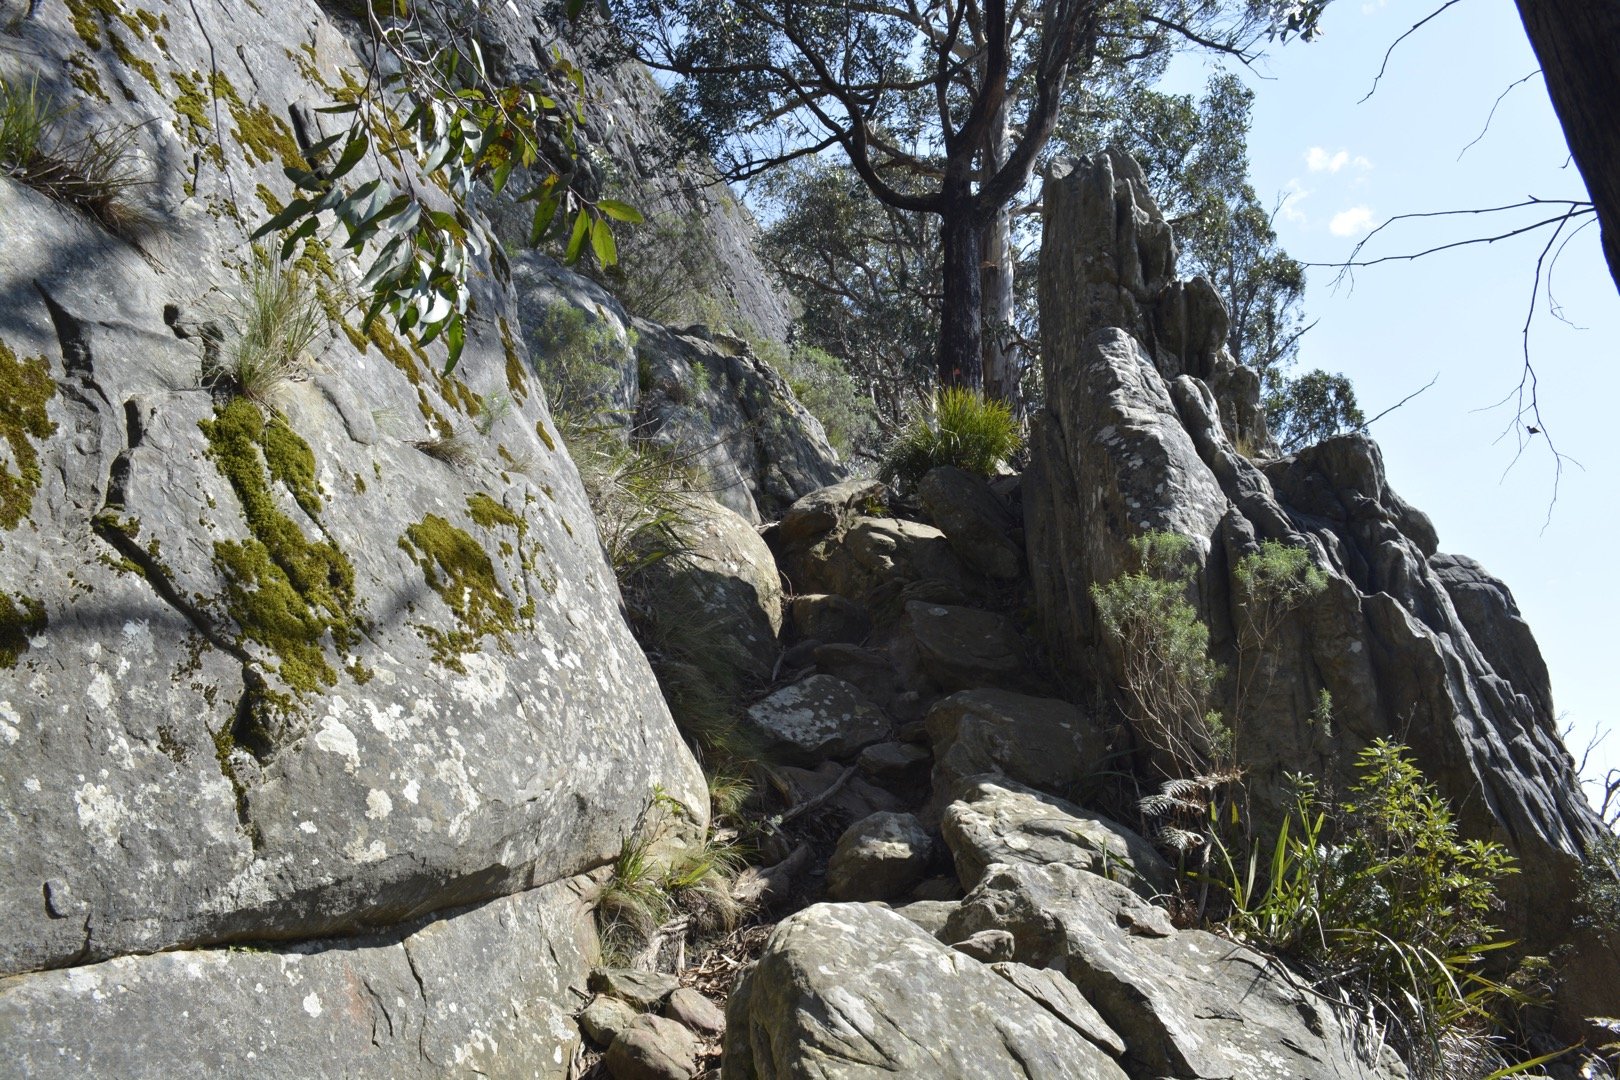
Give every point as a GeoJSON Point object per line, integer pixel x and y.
{"type": "Point", "coordinates": [824, 386]}
{"type": "Point", "coordinates": [270, 323]}
{"type": "Point", "coordinates": [1384, 899]}
{"type": "Point", "coordinates": [1599, 891]}
{"type": "Point", "coordinates": [1164, 652]}
{"type": "Point", "coordinates": [957, 427]}
{"type": "Point", "coordinates": [1270, 582]}
{"type": "Point", "coordinates": [579, 360]}
{"type": "Point", "coordinates": [91, 172]}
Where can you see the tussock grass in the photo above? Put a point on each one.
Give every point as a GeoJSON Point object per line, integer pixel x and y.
{"type": "Point", "coordinates": [956, 427]}
{"type": "Point", "coordinates": [91, 172]}
{"type": "Point", "coordinates": [271, 322]}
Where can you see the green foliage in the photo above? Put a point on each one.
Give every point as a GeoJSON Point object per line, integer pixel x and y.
{"type": "Point", "coordinates": [957, 427]}
{"type": "Point", "coordinates": [91, 171]}
{"type": "Point", "coordinates": [671, 272]}
{"type": "Point", "coordinates": [832, 395]}
{"type": "Point", "coordinates": [1164, 652]}
{"type": "Point", "coordinates": [272, 320]}
{"type": "Point", "coordinates": [462, 128]}
{"type": "Point", "coordinates": [579, 360]}
{"type": "Point", "coordinates": [1315, 406]}
{"type": "Point", "coordinates": [661, 886]}
{"type": "Point", "coordinates": [1382, 897]}
{"type": "Point", "coordinates": [1600, 887]}
{"type": "Point", "coordinates": [1270, 583]}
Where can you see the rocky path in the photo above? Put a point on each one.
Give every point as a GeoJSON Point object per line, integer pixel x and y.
{"type": "Point", "coordinates": [955, 909]}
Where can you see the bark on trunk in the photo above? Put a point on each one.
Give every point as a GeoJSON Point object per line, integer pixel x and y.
{"type": "Point", "coordinates": [1578, 45]}
{"type": "Point", "coordinates": [1001, 357]}
{"type": "Point", "coordinates": [961, 360]}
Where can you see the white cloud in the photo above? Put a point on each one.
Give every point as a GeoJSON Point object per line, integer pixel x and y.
{"type": "Point", "coordinates": [1319, 160]}
{"type": "Point", "coordinates": [1357, 219]}
{"type": "Point", "coordinates": [1288, 209]}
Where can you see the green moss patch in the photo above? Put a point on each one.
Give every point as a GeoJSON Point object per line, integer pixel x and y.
{"type": "Point", "coordinates": [458, 568]}
{"type": "Point", "coordinates": [21, 618]}
{"type": "Point", "coordinates": [26, 387]}
{"type": "Point", "coordinates": [287, 593]}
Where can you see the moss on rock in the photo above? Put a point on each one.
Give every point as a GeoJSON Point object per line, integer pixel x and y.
{"type": "Point", "coordinates": [26, 387]}
{"type": "Point", "coordinates": [286, 592]}
{"type": "Point", "coordinates": [457, 567]}
{"type": "Point", "coordinates": [21, 619]}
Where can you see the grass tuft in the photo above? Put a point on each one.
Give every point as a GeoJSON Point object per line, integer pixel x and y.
{"type": "Point", "coordinates": [90, 172]}
{"type": "Point", "coordinates": [957, 427]}
{"type": "Point", "coordinates": [273, 319]}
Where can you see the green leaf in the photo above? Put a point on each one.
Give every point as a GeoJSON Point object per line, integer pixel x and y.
{"type": "Point", "coordinates": [576, 242]}
{"type": "Point", "coordinates": [544, 212]}
{"type": "Point", "coordinates": [602, 242]}
{"type": "Point", "coordinates": [304, 230]}
{"type": "Point", "coordinates": [620, 211]}
{"type": "Point", "coordinates": [291, 213]}
{"type": "Point", "coordinates": [352, 153]}
{"type": "Point", "coordinates": [455, 336]}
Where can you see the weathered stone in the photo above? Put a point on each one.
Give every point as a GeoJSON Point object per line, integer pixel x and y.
{"type": "Point", "coordinates": [653, 1048]}
{"type": "Point", "coordinates": [931, 915]}
{"type": "Point", "coordinates": [1065, 1001]}
{"type": "Point", "coordinates": [830, 619]}
{"type": "Point", "coordinates": [854, 990]}
{"type": "Point", "coordinates": [1145, 411]}
{"type": "Point", "coordinates": [1185, 1003]}
{"type": "Point", "coordinates": [899, 765]}
{"type": "Point", "coordinates": [1043, 743]}
{"type": "Point", "coordinates": [696, 1011]}
{"type": "Point", "coordinates": [818, 718]}
{"type": "Point", "coordinates": [986, 946]}
{"type": "Point", "coordinates": [604, 1018]}
{"type": "Point", "coordinates": [868, 670]}
{"type": "Point", "coordinates": [879, 858]}
{"type": "Point", "coordinates": [829, 542]}
{"type": "Point", "coordinates": [641, 990]}
{"type": "Point", "coordinates": [959, 648]}
{"type": "Point", "coordinates": [724, 580]}
{"type": "Point", "coordinates": [711, 400]}
{"type": "Point", "coordinates": [975, 522]}
{"type": "Point", "coordinates": [998, 821]}
{"type": "Point", "coordinates": [484, 990]}
{"type": "Point", "coordinates": [302, 670]}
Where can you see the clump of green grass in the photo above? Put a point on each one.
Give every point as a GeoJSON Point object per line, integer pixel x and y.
{"type": "Point", "coordinates": [956, 427]}
{"type": "Point", "coordinates": [271, 322]}
{"type": "Point", "coordinates": [454, 449]}
{"type": "Point", "coordinates": [90, 172]}
{"type": "Point", "coordinates": [659, 890]}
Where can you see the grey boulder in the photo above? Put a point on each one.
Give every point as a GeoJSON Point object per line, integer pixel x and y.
{"type": "Point", "coordinates": [845, 991]}
{"type": "Point", "coordinates": [879, 858]}
{"type": "Point", "coordinates": [815, 719]}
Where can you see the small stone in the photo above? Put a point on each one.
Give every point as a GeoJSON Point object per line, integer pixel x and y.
{"type": "Point", "coordinates": [696, 1011]}
{"type": "Point", "coordinates": [604, 1018]}
{"type": "Point", "coordinates": [643, 990]}
{"type": "Point", "coordinates": [987, 946]}
{"type": "Point", "coordinates": [653, 1048]}
{"type": "Point", "coordinates": [878, 858]}
{"type": "Point", "coordinates": [895, 763]}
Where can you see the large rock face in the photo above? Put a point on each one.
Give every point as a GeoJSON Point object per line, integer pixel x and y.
{"type": "Point", "coordinates": [281, 671]}
{"type": "Point", "coordinates": [1145, 411]}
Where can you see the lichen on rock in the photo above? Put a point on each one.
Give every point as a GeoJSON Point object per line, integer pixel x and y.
{"type": "Point", "coordinates": [25, 389]}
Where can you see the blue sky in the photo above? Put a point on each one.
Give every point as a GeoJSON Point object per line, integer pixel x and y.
{"type": "Point", "coordinates": [1343, 167]}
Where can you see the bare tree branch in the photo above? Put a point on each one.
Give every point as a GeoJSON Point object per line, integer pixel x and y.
{"type": "Point", "coordinates": [1365, 424]}
{"type": "Point", "coordinates": [1510, 88]}
{"type": "Point", "coordinates": [1384, 67]}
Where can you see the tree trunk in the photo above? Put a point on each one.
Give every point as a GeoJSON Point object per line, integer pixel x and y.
{"type": "Point", "coordinates": [961, 359]}
{"type": "Point", "coordinates": [1578, 45]}
{"type": "Point", "coordinates": [1001, 356]}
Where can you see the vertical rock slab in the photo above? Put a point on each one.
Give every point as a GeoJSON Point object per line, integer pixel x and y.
{"type": "Point", "coordinates": [1145, 416]}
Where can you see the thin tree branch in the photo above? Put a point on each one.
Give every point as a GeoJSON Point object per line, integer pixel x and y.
{"type": "Point", "coordinates": [1510, 88]}
{"type": "Point", "coordinates": [1382, 68]}
{"type": "Point", "coordinates": [1365, 424]}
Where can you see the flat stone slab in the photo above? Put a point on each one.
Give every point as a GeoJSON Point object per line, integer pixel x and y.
{"type": "Point", "coordinates": [819, 718]}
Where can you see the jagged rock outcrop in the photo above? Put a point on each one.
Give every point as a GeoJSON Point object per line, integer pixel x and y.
{"type": "Point", "coordinates": [310, 667]}
{"type": "Point", "coordinates": [1145, 420]}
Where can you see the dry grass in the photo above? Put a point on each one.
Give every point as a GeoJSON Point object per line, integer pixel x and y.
{"type": "Point", "coordinates": [91, 172]}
